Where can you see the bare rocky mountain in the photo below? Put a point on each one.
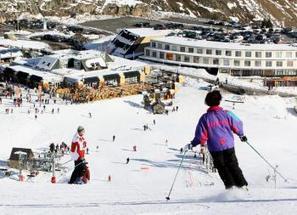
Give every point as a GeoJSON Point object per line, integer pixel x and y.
{"type": "Point", "coordinates": [279, 11]}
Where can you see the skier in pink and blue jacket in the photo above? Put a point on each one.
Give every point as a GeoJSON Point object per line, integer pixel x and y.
{"type": "Point", "coordinates": [215, 129]}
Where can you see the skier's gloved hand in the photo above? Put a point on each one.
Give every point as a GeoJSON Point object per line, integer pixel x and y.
{"type": "Point", "coordinates": [84, 161]}
{"type": "Point", "coordinates": [187, 147]}
{"type": "Point", "coordinates": [202, 149]}
{"type": "Point", "coordinates": [74, 155]}
{"type": "Point", "coordinates": [243, 139]}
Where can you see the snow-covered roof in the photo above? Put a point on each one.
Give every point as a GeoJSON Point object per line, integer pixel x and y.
{"type": "Point", "coordinates": [147, 32]}
{"type": "Point", "coordinates": [65, 51]}
{"type": "Point", "coordinates": [19, 32]}
{"type": "Point", "coordinates": [118, 65]}
{"type": "Point", "coordinates": [20, 153]}
{"type": "Point", "coordinates": [47, 62]}
{"type": "Point", "coordinates": [122, 62]}
{"type": "Point", "coordinates": [80, 55]}
{"type": "Point", "coordinates": [3, 48]}
{"type": "Point", "coordinates": [99, 74]}
{"type": "Point", "coordinates": [66, 71]}
{"type": "Point", "coordinates": [97, 44]}
{"type": "Point", "coordinates": [94, 61]}
{"type": "Point", "coordinates": [182, 41]}
{"type": "Point", "coordinates": [10, 53]}
{"type": "Point", "coordinates": [45, 65]}
{"type": "Point", "coordinates": [82, 76]}
{"type": "Point", "coordinates": [46, 76]}
{"type": "Point", "coordinates": [26, 44]}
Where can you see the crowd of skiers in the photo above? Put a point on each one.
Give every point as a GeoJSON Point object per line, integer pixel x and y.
{"type": "Point", "coordinates": [62, 148]}
{"type": "Point", "coordinates": [214, 130]}
{"type": "Point", "coordinates": [38, 101]}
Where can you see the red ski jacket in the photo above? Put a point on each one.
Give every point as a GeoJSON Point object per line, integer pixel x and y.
{"type": "Point", "coordinates": [78, 147]}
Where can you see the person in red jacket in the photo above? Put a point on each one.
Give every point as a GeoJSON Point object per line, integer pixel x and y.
{"type": "Point", "coordinates": [77, 152]}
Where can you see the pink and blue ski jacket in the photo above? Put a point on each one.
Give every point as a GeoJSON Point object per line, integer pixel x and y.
{"type": "Point", "coordinates": [216, 127]}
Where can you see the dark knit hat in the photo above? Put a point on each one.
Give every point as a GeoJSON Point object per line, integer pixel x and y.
{"type": "Point", "coordinates": [213, 98]}
{"type": "Point", "coordinates": [80, 129]}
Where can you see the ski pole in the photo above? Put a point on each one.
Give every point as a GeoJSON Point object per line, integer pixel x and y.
{"type": "Point", "coordinates": [274, 169]}
{"type": "Point", "coordinates": [72, 160]}
{"type": "Point", "coordinates": [66, 162]}
{"type": "Point", "coordinates": [168, 197]}
{"type": "Point", "coordinates": [82, 162]}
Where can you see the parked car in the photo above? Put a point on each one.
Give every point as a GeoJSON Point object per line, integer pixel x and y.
{"type": "Point", "coordinates": [159, 27]}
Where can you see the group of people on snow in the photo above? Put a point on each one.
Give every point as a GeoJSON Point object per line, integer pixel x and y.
{"type": "Point", "coordinates": [214, 130]}
{"type": "Point", "coordinates": [17, 100]}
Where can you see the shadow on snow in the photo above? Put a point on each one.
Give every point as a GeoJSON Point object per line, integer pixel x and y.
{"type": "Point", "coordinates": [200, 202]}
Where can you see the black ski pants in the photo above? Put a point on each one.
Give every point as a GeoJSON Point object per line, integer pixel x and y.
{"type": "Point", "coordinates": [79, 170]}
{"type": "Point", "coordinates": [227, 166]}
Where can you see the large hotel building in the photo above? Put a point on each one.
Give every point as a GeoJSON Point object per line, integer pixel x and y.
{"type": "Point", "coordinates": [238, 59]}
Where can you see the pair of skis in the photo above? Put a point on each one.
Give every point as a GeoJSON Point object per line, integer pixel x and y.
{"type": "Point", "coordinates": [253, 148]}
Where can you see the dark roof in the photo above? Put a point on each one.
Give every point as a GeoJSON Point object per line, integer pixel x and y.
{"type": "Point", "coordinates": [91, 79]}
{"type": "Point", "coordinates": [14, 156]}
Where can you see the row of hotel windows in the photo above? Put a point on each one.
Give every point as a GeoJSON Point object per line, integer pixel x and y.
{"type": "Point", "coordinates": [216, 61]}
{"type": "Point", "coordinates": [257, 54]}
{"type": "Point", "coordinates": [267, 73]}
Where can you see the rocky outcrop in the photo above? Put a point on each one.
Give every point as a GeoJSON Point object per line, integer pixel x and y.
{"type": "Point", "coordinates": [141, 10]}
{"type": "Point", "coordinates": [111, 9]}
{"type": "Point", "coordinates": [279, 11]}
{"type": "Point", "coordinates": [2, 19]}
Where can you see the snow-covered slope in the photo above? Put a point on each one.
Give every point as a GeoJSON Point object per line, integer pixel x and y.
{"type": "Point", "coordinates": [141, 186]}
{"type": "Point", "coordinates": [278, 11]}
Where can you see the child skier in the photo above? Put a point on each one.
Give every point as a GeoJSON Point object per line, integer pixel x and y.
{"type": "Point", "coordinates": [216, 127]}
{"type": "Point", "coordinates": [81, 172]}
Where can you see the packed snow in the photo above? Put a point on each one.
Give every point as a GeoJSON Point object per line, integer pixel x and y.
{"type": "Point", "coordinates": [122, 2]}
{"type": "Point", "coordinates": [231, 5]}
{"type": "Point", "coordinates": [24, 44]}
{"type": "Point", "coordinates": [141, 186]}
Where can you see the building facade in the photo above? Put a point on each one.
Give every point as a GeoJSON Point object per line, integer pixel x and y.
{"type": "Point", "coordinates": [237, 59]}
{"type": "Point", "coordinates": [130, 43]}
{"type": "Point", "coordinates": [68, 67]}
{"type": "Point", "coordinates": [9, 54]}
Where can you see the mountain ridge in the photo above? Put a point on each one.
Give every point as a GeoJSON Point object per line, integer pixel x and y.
{"type": "Point", "coordinates": [281, 12]}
